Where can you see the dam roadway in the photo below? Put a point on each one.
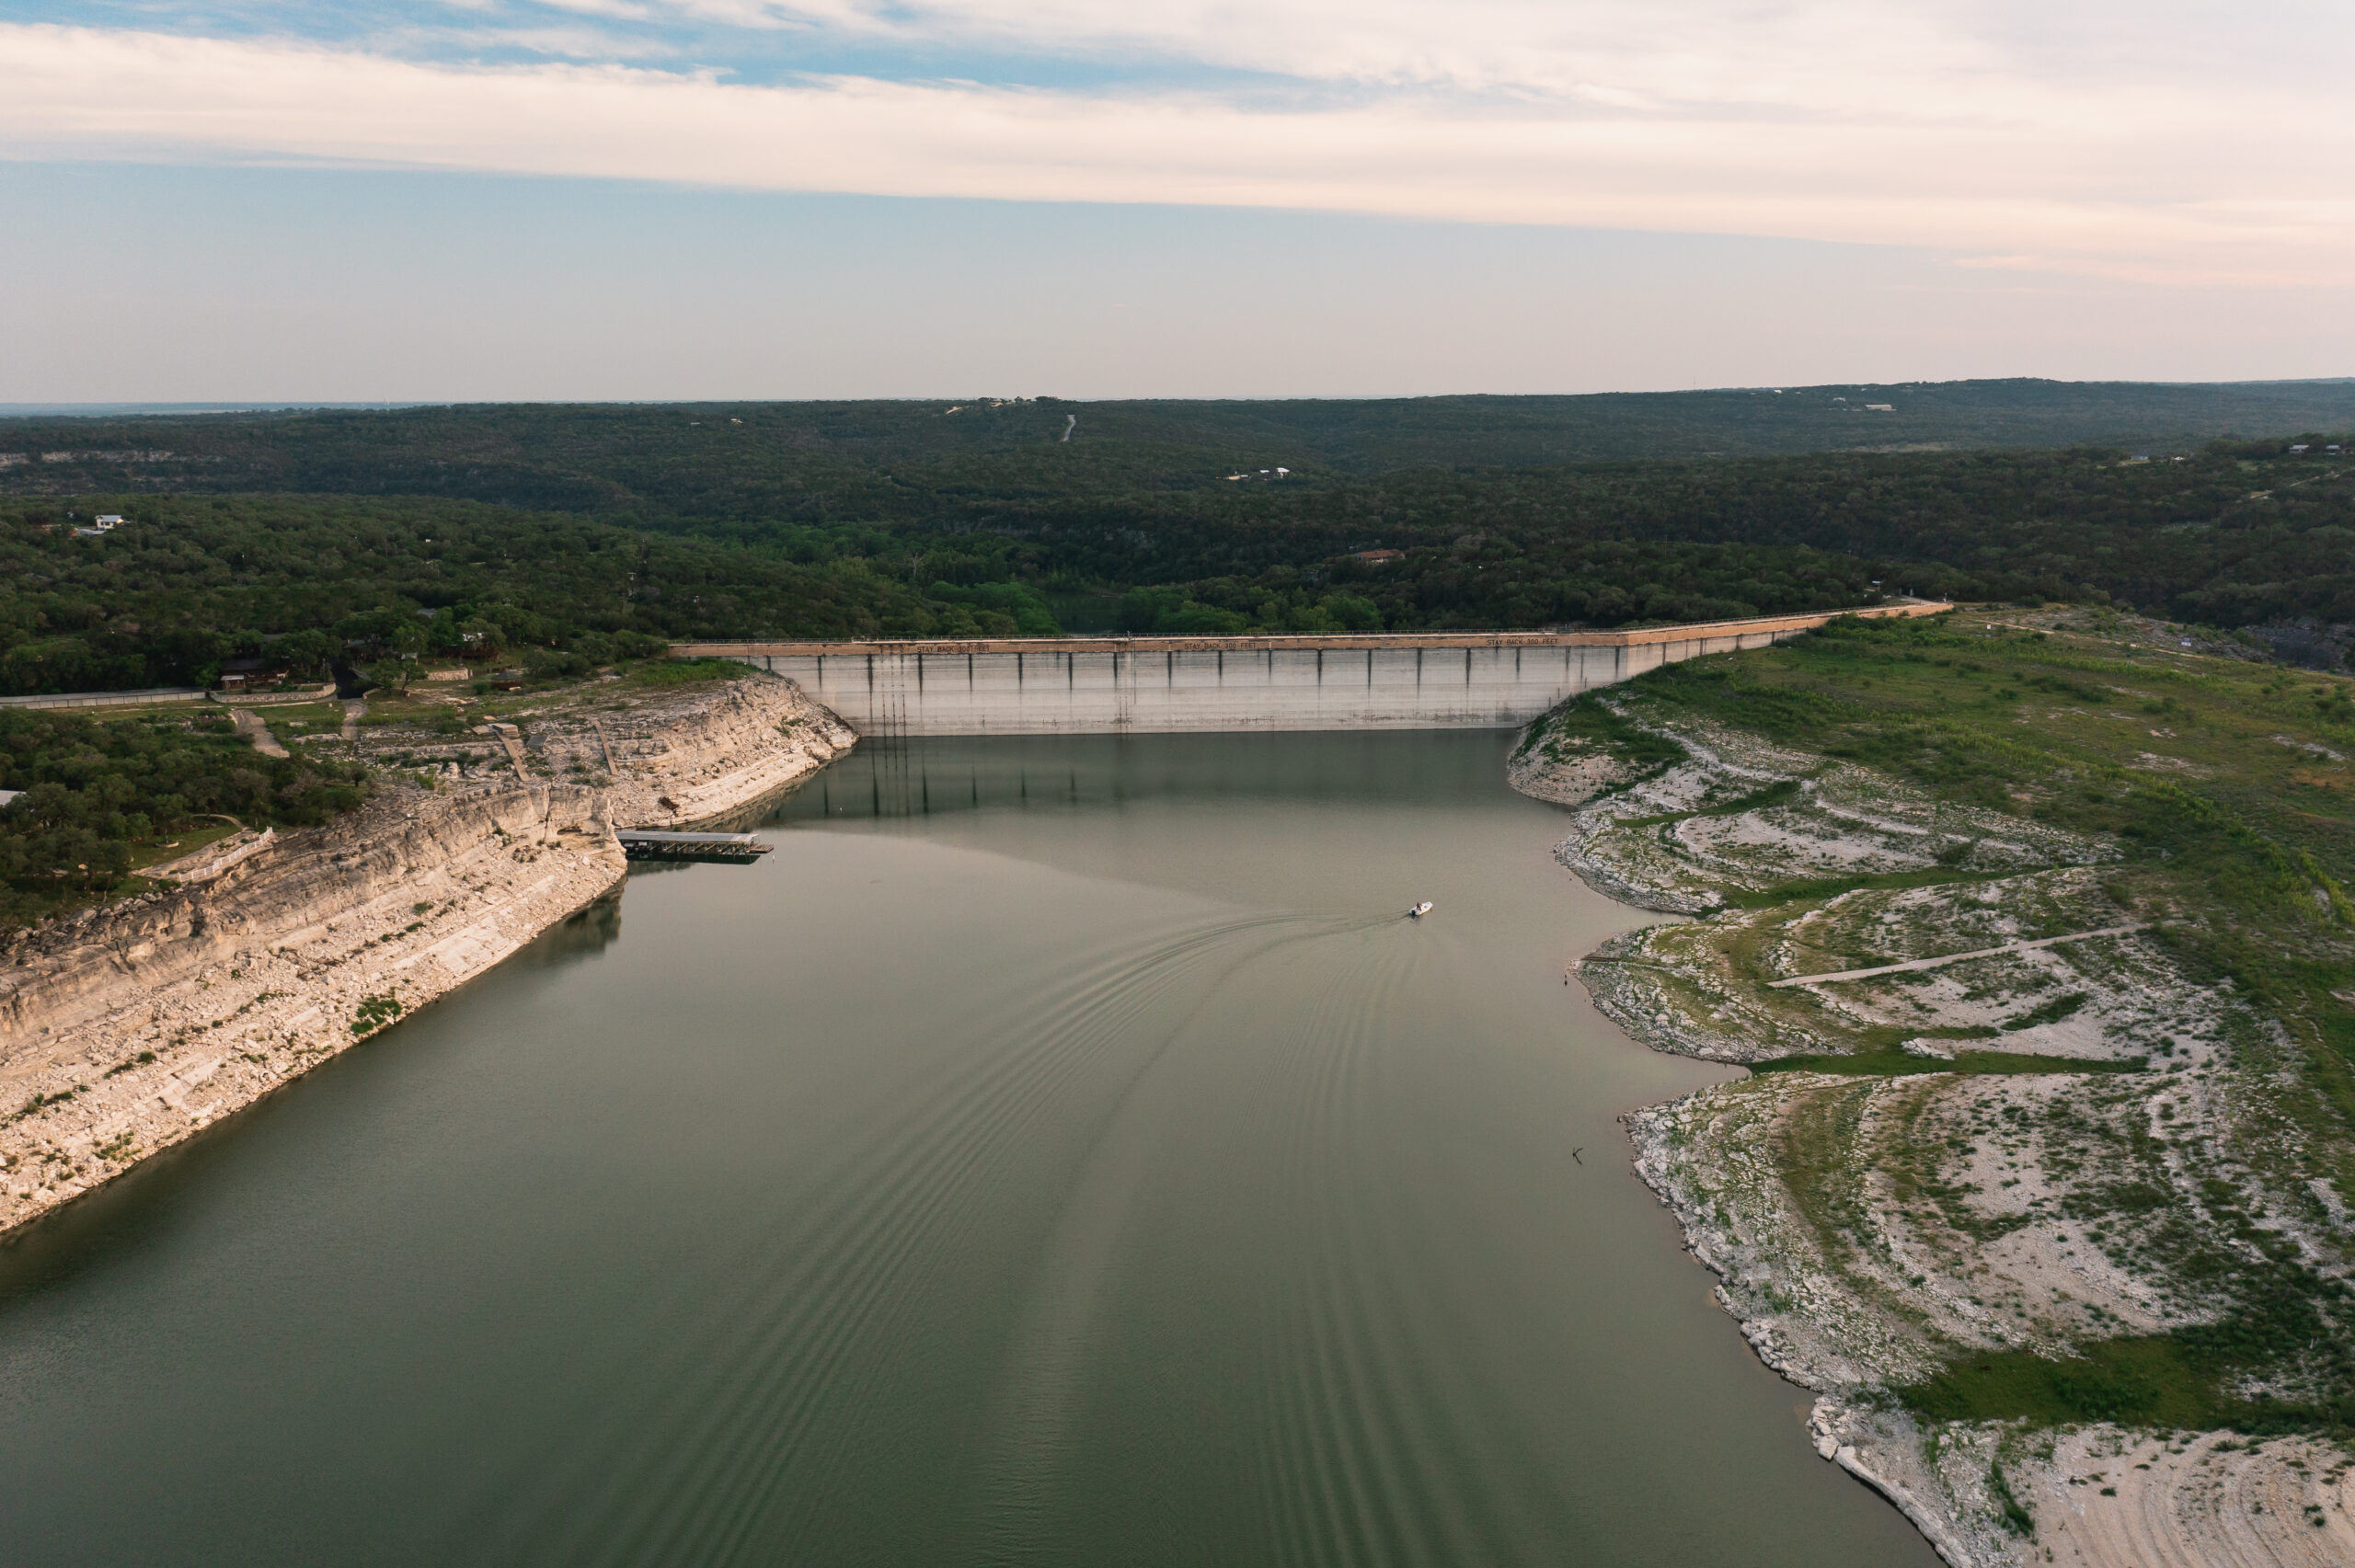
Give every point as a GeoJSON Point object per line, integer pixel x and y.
{"type": "Point", "coordinates": [1172, 684]}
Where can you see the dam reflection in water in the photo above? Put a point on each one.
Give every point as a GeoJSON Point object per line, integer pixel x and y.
{"type": "Point", "coordinates": [1057, 1151]}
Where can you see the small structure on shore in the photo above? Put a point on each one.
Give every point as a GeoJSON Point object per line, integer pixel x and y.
{"type": "Point", "coordinates": [736, 849]}
{"type": "Point", "coordinates": [252, 673]}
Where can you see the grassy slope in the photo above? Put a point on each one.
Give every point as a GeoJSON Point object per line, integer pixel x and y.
{"type": "Point", "coordinates": [2230, 785]}
{"type": "Point", "coordinates": [2228, 779]}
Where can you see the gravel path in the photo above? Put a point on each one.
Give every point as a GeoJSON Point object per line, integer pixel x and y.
{"type": "Point", "coordinates": [1957, 957]}
{"type": "Point", "coordinates": [256, 732]}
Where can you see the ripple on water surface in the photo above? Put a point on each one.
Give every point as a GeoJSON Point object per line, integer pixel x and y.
{"type": "Point", "coordinates": [1056, 1153]}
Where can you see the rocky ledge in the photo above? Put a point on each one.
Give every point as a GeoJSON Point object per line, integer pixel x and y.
{"type": "Point", "coordinates": [2105, 1165]}
{"type": "Point", "coordinates": [128, 1028]}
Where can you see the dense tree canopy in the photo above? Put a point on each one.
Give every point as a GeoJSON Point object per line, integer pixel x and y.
{"type": "Point", "coordinates": [907, 461]}
{"type": "Point", "coordinates": [558, 537]}
{"type": "Point", "coordinates": [90, 791]}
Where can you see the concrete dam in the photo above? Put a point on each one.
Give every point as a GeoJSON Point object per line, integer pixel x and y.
{"type": "Point", "coordinates": [1157, 684]}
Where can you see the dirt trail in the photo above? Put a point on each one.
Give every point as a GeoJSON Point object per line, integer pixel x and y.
{"type": "Point", "coordinates": [512, 737]}
{"type": "Point", "coordinates": [256, 733]}
{"type": "Point", "coordinates": [1912, 964]}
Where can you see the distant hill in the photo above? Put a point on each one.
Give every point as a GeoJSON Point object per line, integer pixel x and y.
{"type": "Point", "coordinates": [574, 531]}
{"type": "Point", "coordinates": [900, 462]}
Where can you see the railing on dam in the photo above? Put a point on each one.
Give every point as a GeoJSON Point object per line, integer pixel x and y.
{"type": "Point", "coordinates": [1103, 685]}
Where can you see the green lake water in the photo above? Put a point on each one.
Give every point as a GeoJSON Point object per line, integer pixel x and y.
{"type": "Point", "coordinates": [1057, 1151]}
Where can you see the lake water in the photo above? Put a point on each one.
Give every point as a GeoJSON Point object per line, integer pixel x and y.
{"type": "Point", "coordinates": [1056, 1153]}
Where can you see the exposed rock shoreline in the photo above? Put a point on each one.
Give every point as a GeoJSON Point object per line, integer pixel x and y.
{"type": "Point", "coordinates": [128, 1028]}
{"type": "Point", "coordinates": [1866, 1228]}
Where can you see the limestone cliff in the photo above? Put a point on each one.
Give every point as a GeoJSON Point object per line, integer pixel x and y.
{"type": "Point", "coordinates": [127, 1028]}
{"type": "Point", "coordinates": [690, 761]}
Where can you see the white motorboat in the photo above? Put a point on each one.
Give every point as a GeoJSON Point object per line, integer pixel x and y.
{"type": "Point", "coordinates": [1420, 911]}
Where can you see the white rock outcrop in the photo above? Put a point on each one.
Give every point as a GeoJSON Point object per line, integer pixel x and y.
{"type": "Point", "coordinates": [126, 1028]}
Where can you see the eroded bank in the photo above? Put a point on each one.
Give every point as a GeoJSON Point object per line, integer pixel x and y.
{"type": "Point", "coordinates": [130, 1027]}
{"type": "Point", "coordinates": [1998, 1123]}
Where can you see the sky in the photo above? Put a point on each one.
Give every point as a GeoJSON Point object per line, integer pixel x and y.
{"type": "Point", "coordinates": [253, 200]}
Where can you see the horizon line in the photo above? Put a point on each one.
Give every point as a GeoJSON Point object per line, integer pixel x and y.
{"type": "Point", "coordinates": [160, 409]}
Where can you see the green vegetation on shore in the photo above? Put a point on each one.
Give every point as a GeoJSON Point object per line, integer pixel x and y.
{"type": "Point", "coordinates": [104, 794]}
{"type": "Point", "coordinates": [2239, 806]}
{"type": "Point", "coordinates": [2224, 790]}
{"type": "Point", "coordinates": [101, 796]}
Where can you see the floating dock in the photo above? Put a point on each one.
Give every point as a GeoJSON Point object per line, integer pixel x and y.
{"type": "Point", "coordinates": [736, 849]}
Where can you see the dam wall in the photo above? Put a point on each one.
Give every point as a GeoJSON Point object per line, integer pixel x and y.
{"type": "Point", "coordinates": [1150, 685]}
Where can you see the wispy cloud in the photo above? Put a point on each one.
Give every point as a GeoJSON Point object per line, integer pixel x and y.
{"type": "Point", "coordinates": [618, 10]}
{"type": "Point", "coordinates": [1917, 58]}
{"type": "Point", "coordinates": [559, 42]}
{"type": "Point", "coordinates": [1835, 120]}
